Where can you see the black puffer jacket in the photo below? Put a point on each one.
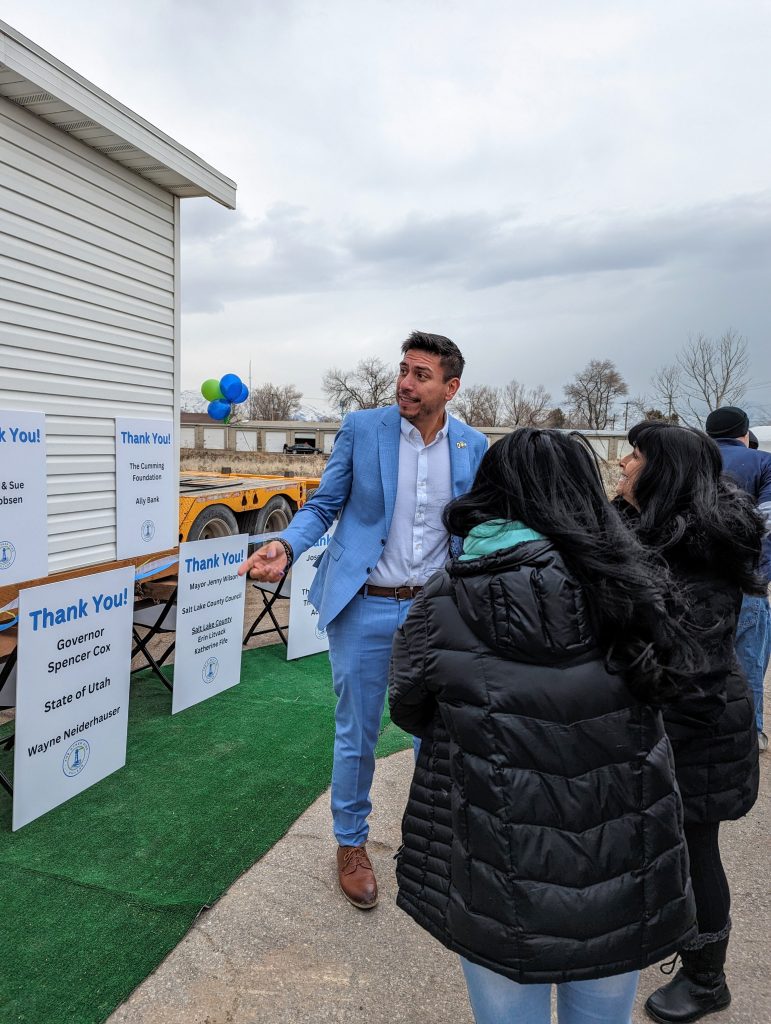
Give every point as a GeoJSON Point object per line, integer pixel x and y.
{"type": "Point", "coordinates": [543, 834]}
{"type": "Point", "coordinates": [713, 732]}
{"type": "Point", "coordinates": [716, 755]}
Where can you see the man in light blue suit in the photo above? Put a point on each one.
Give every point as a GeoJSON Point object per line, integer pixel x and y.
{"type": "Point", "coordinates": [390, 475]}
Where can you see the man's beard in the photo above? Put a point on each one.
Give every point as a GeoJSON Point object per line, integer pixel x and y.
{"type": "Point", "coordinates": [413, 408]}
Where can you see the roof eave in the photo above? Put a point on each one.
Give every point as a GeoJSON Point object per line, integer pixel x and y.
{"type": "Point", "coordinates": [56, 92]}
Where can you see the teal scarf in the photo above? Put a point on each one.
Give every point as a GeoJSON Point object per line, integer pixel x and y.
{"type": "Point", "coordinates": [495, 535]}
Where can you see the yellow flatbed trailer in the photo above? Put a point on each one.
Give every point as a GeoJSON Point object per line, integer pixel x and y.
{"type": "Point", "coordinates": [224, 504]}
{"type": "Point", "coordinates": [210, 505]}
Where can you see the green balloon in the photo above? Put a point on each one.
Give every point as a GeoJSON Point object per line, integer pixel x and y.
{"type": "Point", "coordinates": [210, 389]}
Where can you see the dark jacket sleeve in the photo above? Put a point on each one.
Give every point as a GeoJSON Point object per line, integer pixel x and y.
{"type": "Point", "coordinates": [713, 609]}
{"type": "Point", "coordinates": [764, 507]}
{"type": "Point", "coordinates": [411, 704]}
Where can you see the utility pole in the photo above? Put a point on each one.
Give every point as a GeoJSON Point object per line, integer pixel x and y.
{"type": "Point", "coordinates": [626, 414]}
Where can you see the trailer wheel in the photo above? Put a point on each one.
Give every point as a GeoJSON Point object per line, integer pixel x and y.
{"type": "Point", "coordinates": [274, 516]}
{"type": "Point", "coordinates": [214, 521]}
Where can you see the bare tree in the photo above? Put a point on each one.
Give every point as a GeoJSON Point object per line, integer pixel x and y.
{"type": "Point", "coordinates": [371, 385]}
{"type": "Point", "coordinates": [639, 407]}
{"type": "Point", "coordinates": [666, 385]}
{"type": "Point", "coordinates": [707, 373]}
{"type": "Point", "coordinates": [479, 405]}
{"type": "Point", "coordinates": [715, 372]}
{"type": "Point", "coordinates": [525, 407]}
{"type": "Point", "coordinates": [593, 393]}
{"type": "Point", "coordinates": [273, 402]}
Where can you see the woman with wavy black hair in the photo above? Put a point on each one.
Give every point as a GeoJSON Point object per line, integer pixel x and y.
{"type": "Point", "coordinates": [543, 835]}
{"type": "Point", "coordinates": [683, 508]}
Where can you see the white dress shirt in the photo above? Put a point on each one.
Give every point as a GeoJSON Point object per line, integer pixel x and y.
{"type": "Point", "coordinates": [417, 543]}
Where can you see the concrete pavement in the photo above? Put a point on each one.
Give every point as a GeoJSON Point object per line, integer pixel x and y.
{"type": "Point", "coordinates": [282, 945]}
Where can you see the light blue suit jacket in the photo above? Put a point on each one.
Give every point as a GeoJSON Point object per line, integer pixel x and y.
{"type": "Point", "coordinates": [360, 482]}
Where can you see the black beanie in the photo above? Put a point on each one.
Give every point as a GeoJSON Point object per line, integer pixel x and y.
{"type": "Point", "coordinates": [730, 421]}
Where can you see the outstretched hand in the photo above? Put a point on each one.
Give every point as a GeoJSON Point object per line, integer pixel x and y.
{"type": "Point", "coordinates": [267, 564]}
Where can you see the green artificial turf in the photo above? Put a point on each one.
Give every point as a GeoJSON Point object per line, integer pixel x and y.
{"type": "Point", "coordinates": [95, 893]}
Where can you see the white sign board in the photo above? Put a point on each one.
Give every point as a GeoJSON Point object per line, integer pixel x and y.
{"type": "Point", "coordinates": [146, 487]}
{"type": "Point", "coordinates": [210, 618]}
{"type": "Point", "coordinates": [72, 688]}
{"type": "Point", "coordinates": [23, 525]}
{"type": "Point", "coordinates": [305, 637]}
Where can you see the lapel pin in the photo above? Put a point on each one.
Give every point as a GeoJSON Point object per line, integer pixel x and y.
{"type": "Point", "coordinates": [460, 444]}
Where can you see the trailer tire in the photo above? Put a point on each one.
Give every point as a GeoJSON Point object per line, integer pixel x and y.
{"type": "Point", "coordinates": [214, 521]}
{"type": "Point", "coordinates": [274, 516]}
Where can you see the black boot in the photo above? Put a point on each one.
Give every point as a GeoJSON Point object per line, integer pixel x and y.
{"type": "Point", "coordinates": [698, 988]}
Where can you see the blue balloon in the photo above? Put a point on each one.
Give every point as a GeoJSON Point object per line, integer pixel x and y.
{"type": "Point", "coordinates": [219, 409]}
{"type": "Point", "coordinates": [230, 386]}
{"type": "Point", "coordinates": [243, 396]}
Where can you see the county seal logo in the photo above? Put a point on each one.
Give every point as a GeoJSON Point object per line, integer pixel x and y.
{"type": "Point", "coordinates": [7, 554]}
{"type": "Point", "coordinates": [76, 758]}
{"type": "Point", "coordinates": [210, 669]}
{"type": "Point", "coordinates": [148, 530]}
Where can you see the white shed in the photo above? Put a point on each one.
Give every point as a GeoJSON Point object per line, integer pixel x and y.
{"type": "Point", "coordinates": [89, 279]}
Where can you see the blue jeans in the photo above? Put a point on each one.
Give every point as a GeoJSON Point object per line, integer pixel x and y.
{"type": "Point", "coordinates": [360, 641]}
{"type": "Point", "coordinates": [497, 1000]}
{"type": "Point", "coordinates": [753, 647]}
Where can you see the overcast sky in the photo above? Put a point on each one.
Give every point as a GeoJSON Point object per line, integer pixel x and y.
{"type": "Point", "coordinates": [544, 183]}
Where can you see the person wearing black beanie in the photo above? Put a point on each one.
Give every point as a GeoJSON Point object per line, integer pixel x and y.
{"type": "Point", "coordinates": [729, 426]}
{"type": "Point", "coordinates": [727, 422]}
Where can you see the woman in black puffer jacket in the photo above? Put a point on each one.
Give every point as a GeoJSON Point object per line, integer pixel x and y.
{"type": "Point", "coordinates": [710, 536]}
{"type": "Point", "coordinates": [543, 835]}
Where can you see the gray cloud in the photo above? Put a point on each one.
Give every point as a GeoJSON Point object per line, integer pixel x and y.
{"type": "Point", "coordinates": [282, 253]}
{"type": "Point", "coordinates": [288, 252]}
{"type": "Point", "coordinates": [547, 183]}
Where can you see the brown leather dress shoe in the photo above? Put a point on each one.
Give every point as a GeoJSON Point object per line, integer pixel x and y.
{"type": "Point", "coordinates": [356, 876]}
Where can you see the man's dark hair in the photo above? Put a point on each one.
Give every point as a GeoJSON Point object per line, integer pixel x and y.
{"type": "Point", "coordinates": [550, 481]}
{"type": "Point", "coordinates": [450, 358]}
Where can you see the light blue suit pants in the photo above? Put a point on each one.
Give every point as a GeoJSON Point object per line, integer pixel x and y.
{"type": "Point", "coordinates": [753, 647]}
{"type": "Point", "coordinates": [360, 640]}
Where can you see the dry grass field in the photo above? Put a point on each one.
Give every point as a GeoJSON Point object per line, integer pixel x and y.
{"type": "Point", "coordinates": [214, 461]}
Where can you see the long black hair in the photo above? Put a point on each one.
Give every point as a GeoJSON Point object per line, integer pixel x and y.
{"type": "Point", "coordinates": [690, 511]}
{"type": "Point", "coordinates": [550, 481]}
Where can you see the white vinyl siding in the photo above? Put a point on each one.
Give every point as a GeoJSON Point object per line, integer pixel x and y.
{"type": "Point", "coordinates": [87, 316]}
